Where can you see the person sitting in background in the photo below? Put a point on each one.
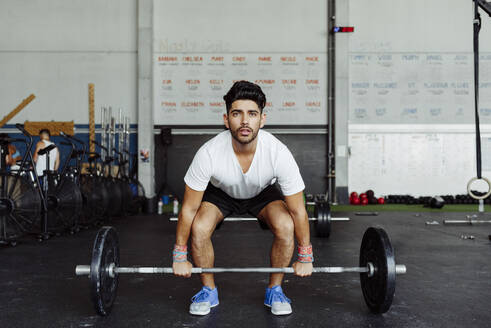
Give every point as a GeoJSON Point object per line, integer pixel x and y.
{"type": "Point", "coordinates": [13, 154]}
{"type": "Point", "coordinates": [40, 160]}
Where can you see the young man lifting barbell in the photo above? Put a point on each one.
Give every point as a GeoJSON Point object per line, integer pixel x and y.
{"type": "Point", "coordinates": [238, 171]}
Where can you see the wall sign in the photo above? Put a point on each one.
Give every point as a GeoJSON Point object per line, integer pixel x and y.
{"type": "Point", "coordinates": [189, 87]}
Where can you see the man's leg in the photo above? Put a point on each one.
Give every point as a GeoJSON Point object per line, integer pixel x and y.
{"type": "Point", "coordinates": [205, 221]}
{"type": "Point", "coordinates": [279, 220]}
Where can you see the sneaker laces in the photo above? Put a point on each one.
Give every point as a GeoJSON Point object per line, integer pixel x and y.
{"type": "Point", "coordinates": [279, 296]}
{"type": "Point", "coordinates": [201, 296]}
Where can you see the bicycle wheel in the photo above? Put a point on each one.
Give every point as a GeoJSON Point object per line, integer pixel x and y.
{"type": "Point", "coordinates": [20, 207]}
{"type": "Point", "coordinates": [64, 203]}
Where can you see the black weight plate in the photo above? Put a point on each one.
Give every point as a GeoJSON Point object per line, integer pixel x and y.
{"type": "Point", "coordinates": [379, 289]}
{"type": "Point", "coordinates": [322, 225]}
{"type": "Point", "coordinates": [106, 198]}
{"type": "Point", "coordinates": [96, 199]}
{"type": "Point", "coordinates": [126, 195]}
{"type": "Point", "coordinates": [115, 197]}
{"type": "Point", "coordinates": [20, 206]}
{"type": "Point", "coordinates": [103, 286]}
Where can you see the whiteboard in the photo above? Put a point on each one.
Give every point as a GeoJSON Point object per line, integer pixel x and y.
{"type": "Point", "coordinates": [419, 88]}
{"type": "Point", "coordinates": [189, 87]}
{"type": "Point", "coordinates": [410, 78]}
{"type": "Point", "coordinates": [420, 164]}
{"type": "Point", "coordinates": [411, 62]}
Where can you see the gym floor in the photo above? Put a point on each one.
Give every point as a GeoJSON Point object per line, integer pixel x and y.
{"type": "Point", "coordinates": [448, 282]}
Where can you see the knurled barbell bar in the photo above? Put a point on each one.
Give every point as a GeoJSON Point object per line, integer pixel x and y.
{"type": "Point", "coordinates": [240, 219]}
{"type": "Point", "coordinates": [377, 269]}
{"type": "Point", "coordinates": [112, 270]}
{"type": "Point", "coordinates": [322, 219]}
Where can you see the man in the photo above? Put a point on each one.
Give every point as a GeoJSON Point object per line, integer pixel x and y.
{"type": "Point", "coordinates": [40, 160]}
{"type": "Point", "coordinates": [236, 172]}
{"type": "Point", "coordinates": [13, 154]}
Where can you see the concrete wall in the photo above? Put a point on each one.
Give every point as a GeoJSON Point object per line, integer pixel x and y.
{"type": "Point", "coordinates": [55, 48]}
{"type": "Point", "coordinates": [237, 26]}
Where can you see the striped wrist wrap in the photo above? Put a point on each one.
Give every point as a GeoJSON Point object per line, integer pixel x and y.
{"type": "Point", "coordinates": [305, 254]}
{"type": "Point", "coordinates": [180, 253]}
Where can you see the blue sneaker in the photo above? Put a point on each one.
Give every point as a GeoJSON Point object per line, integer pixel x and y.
{"type": "Point", "coordinates": [203, 301]}
{"type": "Point", "coordinates": [277, 301]}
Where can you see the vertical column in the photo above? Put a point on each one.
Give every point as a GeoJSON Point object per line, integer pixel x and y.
{"type": "Point", "coordinates": [146, 172]}
{"type": "Point", "coordinates": [91, 118]}
{"type": "Point", "coordinates": [331, 107]}
{"type": "Point", "coordinates": [342, 101]}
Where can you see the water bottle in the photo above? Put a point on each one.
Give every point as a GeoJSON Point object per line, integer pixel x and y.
{"type": "Point", "coordinates": [175, 207]}
{"type": "Point", "coordinates": [160, 207]}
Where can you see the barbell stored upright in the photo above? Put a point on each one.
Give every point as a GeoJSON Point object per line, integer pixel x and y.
{"type": "Point", "coordinates": [377, 269]}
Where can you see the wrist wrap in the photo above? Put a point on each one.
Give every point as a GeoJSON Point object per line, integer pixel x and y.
{"type": "Point", "coordinates": [180, 253]}
{"type": "Point", "coordinates": [305, 254]}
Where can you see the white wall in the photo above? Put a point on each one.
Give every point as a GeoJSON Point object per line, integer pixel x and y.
{"type": "Point", "coordinates": [409, 26]}
{"type": "Point", "coordinates": [240, 26]}
{"type": "Point", "coordinates": [54, 48]}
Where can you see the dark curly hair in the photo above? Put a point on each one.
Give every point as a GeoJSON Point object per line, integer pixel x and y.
{"type": "Point", "coordinates": [242, 90]}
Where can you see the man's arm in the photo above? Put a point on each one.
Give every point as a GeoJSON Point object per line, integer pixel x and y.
{"type": "Point", "coordinates": [38, 147]}
{"type": "Point", "coordinates": [297, 210]}
{"type": "Point", "coordinates": [196, 179]}
{"type": "Point", "coordinates": [15, 155]}
{"type": "Point", "coordinates": [190, 205]}
{"type": "Point", "coordinates": [57, 160]}
{"type": "Point", "coordinates": [9, 158]}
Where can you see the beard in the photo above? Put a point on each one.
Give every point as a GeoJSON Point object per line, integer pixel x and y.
{"type": "Point", "coordinates": [244, 140]}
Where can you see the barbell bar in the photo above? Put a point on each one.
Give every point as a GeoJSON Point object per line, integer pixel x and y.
{"type": "Point", "coordinates": [470, 222]}
{"type": "Point", "coordinates": [239, 219]}
{"type": "Point", "coordinates": [322, 220]}
{"type": "Point", "coordinates": [84, 270]}
{"type": "Point", "coordinates": [377, 269]}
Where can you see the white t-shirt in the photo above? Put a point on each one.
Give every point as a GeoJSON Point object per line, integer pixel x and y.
{"type": "Point", "coordinates": [41, 162]}
{"type": "Point", "coordinates": [217, 163]}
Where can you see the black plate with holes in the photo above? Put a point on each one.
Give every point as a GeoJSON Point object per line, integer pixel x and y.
{"type": "Point", "coordinates": [103, 286]}
{"type": "Point", "coordinates": [322, 226]}
{"type": "Point", "coordinates": [379, 289]}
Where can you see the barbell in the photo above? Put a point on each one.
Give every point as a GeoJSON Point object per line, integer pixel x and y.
{"type": "Point", "coordinates": [377, 269]}
{"type": "Point", "coordinates": [322, 220]}
{"type": "Point", "coordinates": [468, 221]}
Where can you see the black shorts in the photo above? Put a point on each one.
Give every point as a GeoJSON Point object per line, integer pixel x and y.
{"type": "Point", "coordinates": [229, 205]}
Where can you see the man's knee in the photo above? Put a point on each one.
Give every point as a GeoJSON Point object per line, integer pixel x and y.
{"type": "Point", "coordinates": [283, 226]}
{"type": "Point", "coordinates": [202, 228]}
